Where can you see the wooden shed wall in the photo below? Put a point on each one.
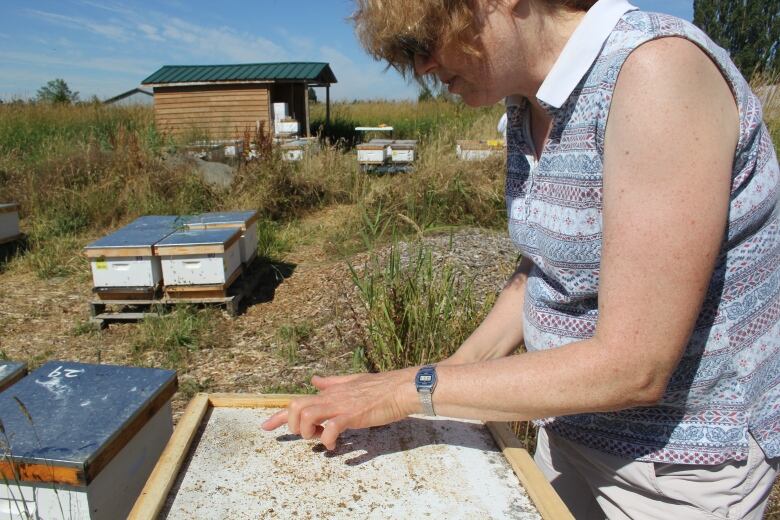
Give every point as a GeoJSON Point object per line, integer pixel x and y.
{"type": "Point", "coordinates": [224, 111]}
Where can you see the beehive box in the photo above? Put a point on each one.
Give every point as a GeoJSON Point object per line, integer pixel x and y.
{"type": "Point", "coordinates": [10, 373]}
{"type": "Point", "coordinates": [286, 126]}
{"type": "Point", "coordinates": [9, 223]}
{"type": "Point", "coordinates": [476, 150]}
{"type": "Point", "coordinates": [372, 154]}
{"type": "Point", "coordinates": [124, 261]}
{"type": "Point", "coordinates": [81, 440]}
{"type": "Point", "coordinates": [200, 257]}
{"type": "Point", "coordinates": [246, 221]}
{"type": "Point", "coordinates": [403, 151]}
{"type": "Point", "coordinates": [220, 464]}
{"type": "Point", "coordinates": [295, 150]}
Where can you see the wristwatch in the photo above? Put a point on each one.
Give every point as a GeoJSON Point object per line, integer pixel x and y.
{"type": "Point", "coordinates": [425, 381]}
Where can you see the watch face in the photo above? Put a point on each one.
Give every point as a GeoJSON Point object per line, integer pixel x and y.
{"type": "Point", "coordinates": [426, 378]}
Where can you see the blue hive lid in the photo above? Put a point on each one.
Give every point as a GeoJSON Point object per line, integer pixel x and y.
{"type": "Point", "coordinates": [65, 421]}
{"type": "Point", "coordinates": [143, 232]}
{"type": "Point", "coordinates": [169, 222]}
{"type": "Point", "coordinates": [233, 218]}
{"type": "Point", "coordinates": [201, 237]}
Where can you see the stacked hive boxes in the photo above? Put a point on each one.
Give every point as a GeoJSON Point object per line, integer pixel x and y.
{"type": "Point", "coordinates": [81, 440]}
{"type": "Point", "coordinates": [284, 126]}
{"type": "Point", "coordinates": [9, 222]}
{"type": "Point", "coordinates": [207, 249]}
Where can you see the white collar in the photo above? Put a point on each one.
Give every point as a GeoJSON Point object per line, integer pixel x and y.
{"type": "Point", "coordinates": [580, 52]}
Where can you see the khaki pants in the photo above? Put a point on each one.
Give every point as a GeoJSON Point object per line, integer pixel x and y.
{"type": "Point", "coordinates": [595, 485]}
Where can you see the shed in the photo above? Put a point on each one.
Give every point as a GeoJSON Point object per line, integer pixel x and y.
{"type": "Point", "coordinates": [136, 96]}
{"type": "Point", "coordinates": [227, 100]}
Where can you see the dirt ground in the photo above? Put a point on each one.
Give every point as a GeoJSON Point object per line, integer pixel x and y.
{"type": "Point", "coordinates": [44, 320]}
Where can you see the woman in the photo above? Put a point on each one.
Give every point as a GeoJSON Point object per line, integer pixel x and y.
{"type": "Point", "coordinates": [642, 189]}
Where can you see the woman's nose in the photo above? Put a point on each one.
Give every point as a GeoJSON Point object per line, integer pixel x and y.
{"type": "Point", "coordinates": [424, 64]}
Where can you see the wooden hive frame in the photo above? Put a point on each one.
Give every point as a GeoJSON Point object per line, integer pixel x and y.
{"type": "Point", "coordinates": [152, 499]}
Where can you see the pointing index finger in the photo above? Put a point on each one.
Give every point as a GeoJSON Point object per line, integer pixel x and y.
{"type": "Point", "coordinates": [276, 420]}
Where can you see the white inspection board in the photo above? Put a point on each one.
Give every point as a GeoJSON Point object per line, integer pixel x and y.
{"type": "Point", "coordinates": [419, 467]}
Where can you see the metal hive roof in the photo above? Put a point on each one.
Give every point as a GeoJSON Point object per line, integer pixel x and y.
{"type": "Point", "coordinates": [292, 71]}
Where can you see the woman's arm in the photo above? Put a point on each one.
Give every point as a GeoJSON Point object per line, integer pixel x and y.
{"type": "Point", "coordinates": [501, 332]}
{"type": "Point", "coordinates": [670, 143]}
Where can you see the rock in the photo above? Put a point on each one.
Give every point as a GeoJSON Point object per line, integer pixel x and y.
{"type": "Point", "coordinates": [215, 174]}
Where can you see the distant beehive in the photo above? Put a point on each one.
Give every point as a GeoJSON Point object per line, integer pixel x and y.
{"type": "Point", "coordinates": [9, 222]}
{"type": "Point", "coordinates": [468, 150]}
{"type": "Point", "coordinates": [295, 150]}
{"type": "Point", "coordinates": [372, 154]}
{"type": "Point", "coordinates": [403, 151]}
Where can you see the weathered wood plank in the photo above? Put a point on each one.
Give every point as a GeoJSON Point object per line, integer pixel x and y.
{"type": "Point", "coordinates": [152, 497]}
{"type": "Point", "coordinates": [544, 497]}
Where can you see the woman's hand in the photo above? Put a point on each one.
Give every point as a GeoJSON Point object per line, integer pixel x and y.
{"type": "Point", "coordinates": [349, 402]}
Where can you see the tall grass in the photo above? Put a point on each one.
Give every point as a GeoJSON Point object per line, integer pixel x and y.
{"type": "Point", "coordinates": [177, 334]}
{"type": "Point", "coordinates": [414, 311]}
{"type": "Point", "coordinates": [410, 120]}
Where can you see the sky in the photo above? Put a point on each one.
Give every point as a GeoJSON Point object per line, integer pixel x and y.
{"type": "Point", "coordinates": [104, 48]}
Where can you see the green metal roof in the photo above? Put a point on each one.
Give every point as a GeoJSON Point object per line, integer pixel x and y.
{"type": "Point", "coordinates": [304, 71]}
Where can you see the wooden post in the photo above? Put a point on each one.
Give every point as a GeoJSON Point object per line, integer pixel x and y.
{"type": "Point", "coordinates": [327, 105]}
{"type": "Point", "coordinates": [306, 104]}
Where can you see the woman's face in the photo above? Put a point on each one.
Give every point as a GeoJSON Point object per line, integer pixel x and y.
{"type": "Point", "coordinates": [486, 79]}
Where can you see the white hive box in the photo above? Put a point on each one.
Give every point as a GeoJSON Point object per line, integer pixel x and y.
{"type": "Point", "coordinates": [295, 150]}
{"type": "Point", "coordinates": [84, 442]}
{"type": "Point", "coordinates": [124, 260]}
{"type": "Point", "coordinates": [372, 154]}
{"type": "Point", "coordinates": [403, 151]}
{"type": "Point", "coordinates": [475, 150]}
{"type": "Point", "coordinates": [200, 257]}
{"type": "Point", "coordinates": [280, 111]}
{"type": "Point", "coordinates": [446, 468]}
{"type": "Point", "coordinates": [246, 221]}
{"type": "Point", "coordinates": [286, 127]}
{"type": "Point", "coordinates": [9, 222]}
{"type": "Point", "coordinates": [10, 373]}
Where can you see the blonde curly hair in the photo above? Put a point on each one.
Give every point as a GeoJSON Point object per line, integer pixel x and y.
{"type": "Point", "coordinates": [397, 30]}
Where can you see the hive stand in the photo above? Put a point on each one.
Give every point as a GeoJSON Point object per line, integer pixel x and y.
{"type": "Point", "coordinates": [229, 296]}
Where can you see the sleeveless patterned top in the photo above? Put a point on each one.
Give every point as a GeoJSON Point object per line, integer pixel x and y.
{"type": "Point", "coordinates": [728, 382]}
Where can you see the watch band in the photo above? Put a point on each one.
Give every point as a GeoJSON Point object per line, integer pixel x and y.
{"type": "Point", "coordinates": [426, 399]}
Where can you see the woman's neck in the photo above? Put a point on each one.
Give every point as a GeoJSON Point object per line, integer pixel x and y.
{"type": "Point", "coordinates": [543, 34]}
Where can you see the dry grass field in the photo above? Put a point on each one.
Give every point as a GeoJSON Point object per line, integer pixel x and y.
{"type": "Point", "coordinates": [342, 250]}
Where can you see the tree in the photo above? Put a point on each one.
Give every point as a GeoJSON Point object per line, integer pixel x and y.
{"type": "Point", "coordinates": [57, 91]}
{"type": "Point", "coordinates": [312, 95]}
{"type": "Point", "coordinates": [748, 29]}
